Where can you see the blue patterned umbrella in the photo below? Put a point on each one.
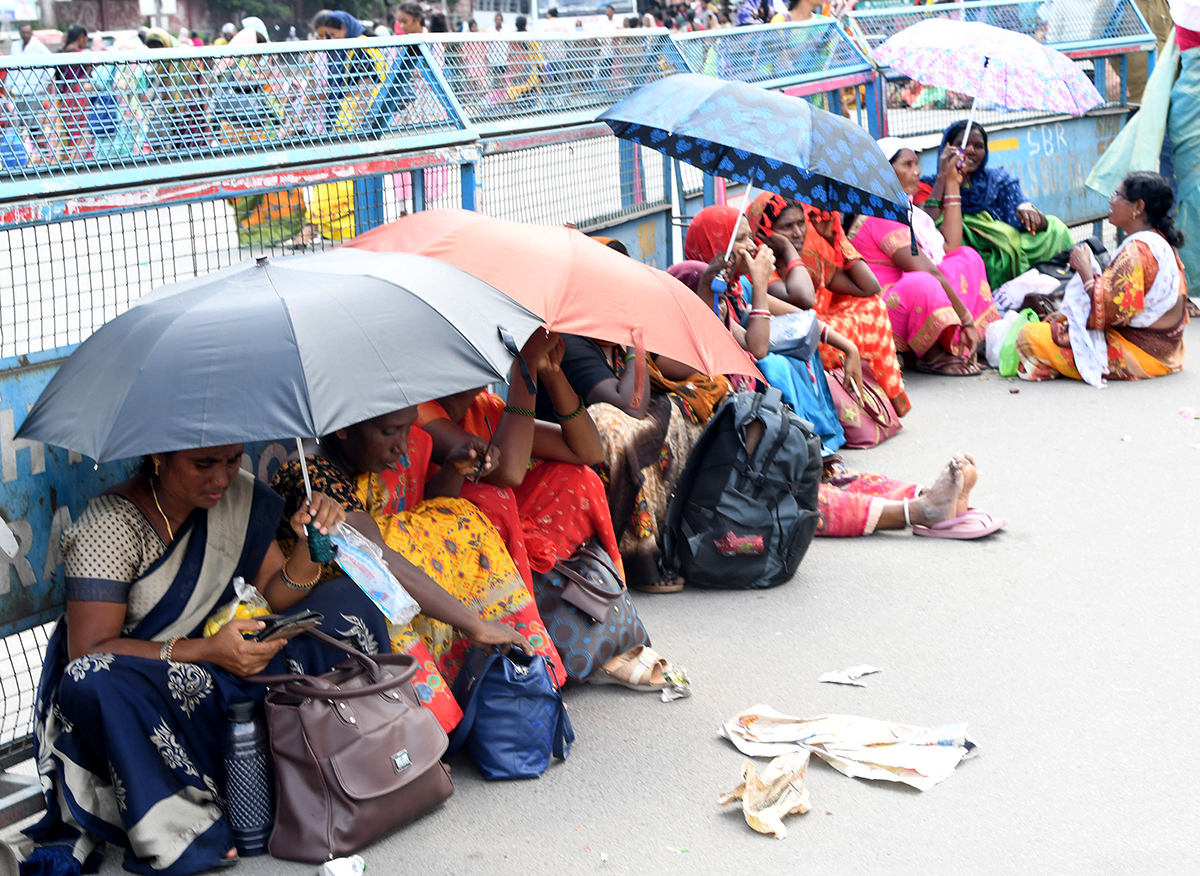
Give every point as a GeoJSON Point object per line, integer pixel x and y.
{"type": "Point", "coordinates": [765, 139]}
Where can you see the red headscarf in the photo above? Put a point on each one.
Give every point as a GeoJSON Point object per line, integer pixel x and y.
{"type": "Point", "coordinates": [764, 211]}
{"type": "Point", "coordinates": [823, 257]}
{"type": "Point", "coordinates": [709, 233]}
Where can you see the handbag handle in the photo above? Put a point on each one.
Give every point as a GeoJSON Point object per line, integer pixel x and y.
{"type": "Point", "coordinates": [295, 684]}
{"type": "Point", "coordinates": [868, 400]}
{"type": "Point", "coordinates": [583, 582]}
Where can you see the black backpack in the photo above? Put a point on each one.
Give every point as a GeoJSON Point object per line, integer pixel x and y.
{"type": "Point", "coordinates": [743, 518]}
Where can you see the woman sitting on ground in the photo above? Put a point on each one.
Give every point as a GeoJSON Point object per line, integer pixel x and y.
{"type": "Point", "coordinates": [938, 300]}
{"type": "Point", "coordinates": [439, 546]}
{"type": "Point", "coordinates": [542, 496]}
{"type": "Point", "coordinates": [648, 423]}
{"type": "Point", "coordinates": [747, 304]}
{"type": "Point", "coordinates": [846, 293]}
{"type": "Point", "coordinates": [858, 503]}
{"type": "Point", "coordinates": [132, 698]}
{"type": "Point", "coordinates": [998, 220]}
{"type": "Point", "coordinates": [1125, 322]}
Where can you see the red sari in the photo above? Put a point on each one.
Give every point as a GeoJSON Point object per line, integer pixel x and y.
{"type": "Point", "coordinates": [864, 321]}
{"type": "Point", "coordinates": [555, 509]}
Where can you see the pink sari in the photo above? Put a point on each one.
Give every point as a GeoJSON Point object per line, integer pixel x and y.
{"type": "Point", "coordinates": [919, 309]}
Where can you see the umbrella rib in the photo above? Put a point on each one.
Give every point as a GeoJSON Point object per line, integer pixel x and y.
{"type": "Point", "coordinates": [312, 419]}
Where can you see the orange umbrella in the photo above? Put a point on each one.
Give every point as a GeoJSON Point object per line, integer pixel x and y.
{"type": "Point", "coordinates": [578, 286]}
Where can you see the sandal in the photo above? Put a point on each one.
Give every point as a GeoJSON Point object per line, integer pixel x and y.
{"type": "Point", "coordinates": [939, 369]}
{"type": "Point", "coordinates": [971, 524]}
{"type": "Point", "coordinates": [666, 585]}
{"type": "Point", "coordinates": [641, 668]}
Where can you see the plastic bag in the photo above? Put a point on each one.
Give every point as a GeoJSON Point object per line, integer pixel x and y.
{"type": "Point", "coordinates": [247, 603]}
{"type": "Point", "coordinates": [1008, 352]}
{"type": "Point", "coordinates": [994, 337]}
{"type": "Point", "coordinates": [362, 560]}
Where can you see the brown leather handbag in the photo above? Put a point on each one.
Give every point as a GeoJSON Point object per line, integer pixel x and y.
{"type": "Point", "coordinates": [355, 754]}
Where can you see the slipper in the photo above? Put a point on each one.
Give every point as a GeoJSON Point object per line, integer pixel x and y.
{"type": "Point", "coordinates": [922, 368]}
{"type": "Point", "coordinates": [639, 668]}
{"type": "Point", "coordinates": [973, 523]}
{"type": "Point", "coordinates": [667, 585]}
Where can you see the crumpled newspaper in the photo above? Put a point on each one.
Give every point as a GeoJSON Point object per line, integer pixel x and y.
{"type": "Point", "coordinates": [864, 748]}
{"type": "Point", "coordinates": [779, 791]}
{"type": "Point", "coordinates": [679, 685]}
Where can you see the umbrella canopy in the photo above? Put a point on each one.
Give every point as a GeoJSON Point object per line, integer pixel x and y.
{"type": "Point", "coordinates": [991, 64]}
{"type": "Point", "coordinates": [576, 284]}
{"type": "Point", "coordinates": [763, 138]}
{"type": "Point", "coordinates": [294, 347]}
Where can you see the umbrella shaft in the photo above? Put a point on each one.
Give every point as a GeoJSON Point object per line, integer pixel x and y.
{"type": "Point", "coordinates": [741, 212]}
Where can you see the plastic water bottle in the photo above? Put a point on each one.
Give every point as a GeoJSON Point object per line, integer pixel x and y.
{"type": "Point", "coordinates": [248, 794]}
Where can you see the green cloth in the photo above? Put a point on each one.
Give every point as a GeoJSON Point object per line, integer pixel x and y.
{"type": "Point", "coordinates": [1008, 253]}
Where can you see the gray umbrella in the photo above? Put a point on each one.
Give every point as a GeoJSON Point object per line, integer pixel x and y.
{"type": "Point", "coordinates": [298, 346]}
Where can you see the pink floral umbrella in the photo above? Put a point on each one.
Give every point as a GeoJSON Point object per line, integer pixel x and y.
{"type": "Point", "coordinates": [990, 63]}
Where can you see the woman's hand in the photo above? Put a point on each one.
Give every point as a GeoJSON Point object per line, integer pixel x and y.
{"type": "Point", "coordinates": [824, 225]}
{"type": "Point", "coordinates": [1031, 217]}
{"type": "Point", "coordinates": [950, 167]}
{"type": "Point", "coordinates": [552, 362]}
{"type": "Point", "coordinates": [1059, 331]}
{"type": "Point", "coordinates": [227, 648]}
{"type": "Point", "coordinates": [852, 377]}
{"type": "Point", "coordinates": [762, 265]}
{"type": "Point", "coordinates": [1081, 261]}
{"type": "Point", "coordinates": [784, 249]}
{"type": "Point", "coordinates": [495, 634]}
{"type": "Point", "coordinates": [322, 512]}
{"type": "Point", "coordinates": [465, 458]}
{"type": "Point", "coordinates": [538, 348]}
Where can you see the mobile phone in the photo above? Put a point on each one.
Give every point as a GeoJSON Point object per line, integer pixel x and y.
{"type": "Point", "coordinates": [288, 626]}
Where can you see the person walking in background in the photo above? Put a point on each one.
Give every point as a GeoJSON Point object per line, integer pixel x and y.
{"type": "Point", "coordinates": [27, 89]}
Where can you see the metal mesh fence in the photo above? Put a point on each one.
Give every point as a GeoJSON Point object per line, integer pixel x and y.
{"type": "Point", "coordinates": [60, 281]}
{"type": "Point", "coordinates": [511, 84]}
{"type": "Point", "coordinates": [20, 666]}
{"type": "Point", "coordinates": [773, 54]}
{"type": "Point", "coordinates": [586, 182]}
{"type": "Point", "coordinates": [1060, 23]}
{"type": "Point", "coordinates": [142, 114]}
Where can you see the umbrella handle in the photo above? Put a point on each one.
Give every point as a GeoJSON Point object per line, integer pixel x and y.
{"type": "Point", "coordinates": [971, 114]}
{"type": "Point", "coordinates": [741, 212]}
{"type": "Point", "coordinates": [304, 470]}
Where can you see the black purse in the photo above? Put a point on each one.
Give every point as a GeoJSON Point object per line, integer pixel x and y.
{"type": "Point", "coordinates": [587, 610]}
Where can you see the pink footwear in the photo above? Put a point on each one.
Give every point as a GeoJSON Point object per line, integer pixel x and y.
{"type": "Point", "coordinates": [973, 523]}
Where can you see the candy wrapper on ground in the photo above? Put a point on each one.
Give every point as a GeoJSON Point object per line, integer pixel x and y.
{"type": "Point", "coordinates": [864, 748]}
{"type": "Point", "coordinates": [362, 560]}
{"type": "Point", "coordinates": [246, 603]}
{"type": "Point", "coordinates": [778, 792]}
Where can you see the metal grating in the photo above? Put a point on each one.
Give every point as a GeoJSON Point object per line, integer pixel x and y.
{"type": "Point", "coordinates": [98, 119]}
{"type": "Point", "coordinates": [1065, 24]}
{"type": "Point", "coordinates": [20, 668]}
{"type": "Point", "coordinates": [586, 182]}
{"type": "Point", "coordinates": [774, 55]}
{"type": "Point", "coordinates": [506, 84]}
{"type": "Point", "coordinates": [59, 281]}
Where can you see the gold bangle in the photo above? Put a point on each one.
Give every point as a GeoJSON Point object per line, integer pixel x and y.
{"type": "Point", "coordinates": [164, 653]}
{"type": "Point", "coordinates": [296, 585]}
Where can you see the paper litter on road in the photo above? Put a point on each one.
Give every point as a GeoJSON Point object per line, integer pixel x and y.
{"type": "Point", "coordinates": [865, 748]}
{"type": "Point", "coordinates": [778, 792]}
{"type": "Point", "coordinates": [851, 675]}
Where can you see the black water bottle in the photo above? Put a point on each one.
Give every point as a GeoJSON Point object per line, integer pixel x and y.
{"type": "Point", "coordinates": [249, 803]}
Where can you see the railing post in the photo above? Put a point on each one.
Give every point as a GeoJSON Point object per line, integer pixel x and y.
{"type": "Point", "coordinates": [468, 184]}
{"type": "Point", "coordinates": [876, 116]}
{"type": "Point", "coordinates": [710, 190]}
{"type": "Point", "coordinates": [669, 198]}
{"type": "Point", "coordinates": [418, 190]}
{"type": "Point", "coordinates": [368, 204]}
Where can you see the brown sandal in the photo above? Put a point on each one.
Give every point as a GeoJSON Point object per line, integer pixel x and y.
{"type": "Point", "coordinates": [666, 585]}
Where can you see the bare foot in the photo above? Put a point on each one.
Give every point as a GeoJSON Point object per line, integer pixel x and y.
{"type": "Point", "coordinates": [970, 476]}
{"type": "Point", "coordinates": [231, 854]}
{"type": "Point", "coordinates": [940, 502]}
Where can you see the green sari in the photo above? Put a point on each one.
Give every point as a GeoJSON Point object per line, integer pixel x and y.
{"type": "Point", "coordinates": [1008, 253]}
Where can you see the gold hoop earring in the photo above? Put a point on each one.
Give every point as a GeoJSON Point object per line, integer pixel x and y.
{"type": "Point", "coordinates": [156, 466]}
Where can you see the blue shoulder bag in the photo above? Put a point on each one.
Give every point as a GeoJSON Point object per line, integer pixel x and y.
{"type": "Point", "coordinates": [513, 715]}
